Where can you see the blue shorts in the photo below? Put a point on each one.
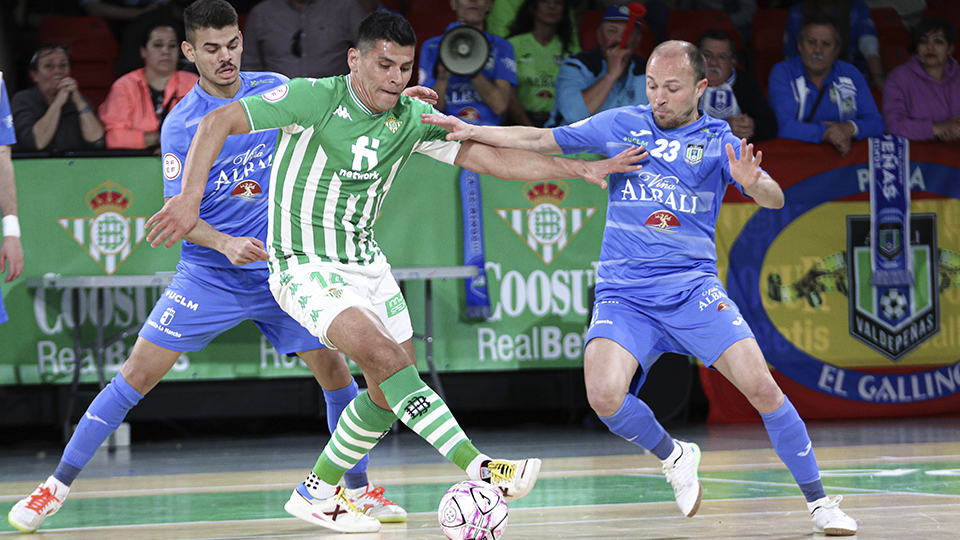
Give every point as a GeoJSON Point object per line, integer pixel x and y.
{"type": "Point", "coordinates": [699, 321]}
{"type": "Point", "coordinates": [203, 302]}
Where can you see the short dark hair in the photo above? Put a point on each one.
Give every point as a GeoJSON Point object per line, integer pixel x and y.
{"type": "Point", "coordinates": [214, 14]}
{"type": "Point", "coordinates": [719, 35]}
{"type": "Point", "coordinates": [49, 47]}
{"type": "Point", "coordinates": [931, 25]}
{"type": "Point", "coordinates": [822, 20]}
{"type": "Point", "coordinates": [388, 26]}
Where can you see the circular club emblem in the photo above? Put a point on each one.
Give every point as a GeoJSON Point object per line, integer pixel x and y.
{"type": "Point", "coordinates": [547, 224]}
{"type": "Point", "coordinates": [171, 166]}
{"type": "Point", "coordinates": [276, 94]}
{"type": "Point", "coordinates": [110, 233]}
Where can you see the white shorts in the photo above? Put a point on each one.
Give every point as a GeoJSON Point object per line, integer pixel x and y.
{"type": "Point", "coordinates": [315, 293]}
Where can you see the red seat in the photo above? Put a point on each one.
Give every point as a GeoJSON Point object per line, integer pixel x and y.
{"type": "Point", "coordinates": [767, 48]}
{"type": "Point", "coordinates": [590, 21]}
{"type": "Point", "coordinates": [429, 18]}
{"type": "Point", "coordinates": [688, 24]}
{"type": "Point", "coordinates": [893, 36]}
{"type": "Point", "coordinates": [93, 51]}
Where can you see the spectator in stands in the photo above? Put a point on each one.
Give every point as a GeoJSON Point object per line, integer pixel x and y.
{"type": "Point", "coordinates": [658, 11]}
{"type": "Point", "coordinates": [54, 115]}
{"type": "Point", "coordinates": [301, 38]}
{"type": "Point", "coordinates": [139, 101]}
{"type": "Point", "coordinates": [503, 13]}
{"type": "Point", "coordinates": [604, 77]}
{"type": "Point", "coordinates": [858, 34]}
{"type": "Point", "coordinates": [169, 13]}
{"type": "Point", "coordinates": [921, 100]}
{"type": "Point", "coordinates": [819, 98]}
{"type": "Point", "coordinates": [733, 94]}
{"type": "Point", "coordinates": [484, 97]}
{"type": "Point", "coordinates": [542, 37]}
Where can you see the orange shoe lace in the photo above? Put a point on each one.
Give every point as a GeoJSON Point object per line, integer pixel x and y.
{"type": "Point", "coordinates": [39, 501]}
{"type": "Point", "coordinates": [377, 495]}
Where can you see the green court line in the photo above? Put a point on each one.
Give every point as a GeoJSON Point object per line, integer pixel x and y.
{"type": "Point", "coordinates": [549, 492]}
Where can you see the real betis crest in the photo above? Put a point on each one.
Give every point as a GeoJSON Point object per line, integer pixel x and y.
{"type": "Point", "coordinates": [109, 237]}
{"type": "Point", "coordinates": [547, 228]}
{"type": "Point", "coordinates": [393, 124]}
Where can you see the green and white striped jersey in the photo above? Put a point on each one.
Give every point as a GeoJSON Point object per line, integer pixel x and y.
{"type": "Point", "coordinates": [334, 162]}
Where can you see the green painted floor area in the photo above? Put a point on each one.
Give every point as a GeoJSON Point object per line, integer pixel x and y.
{"type": "Point", "coordinates": [933, 478]}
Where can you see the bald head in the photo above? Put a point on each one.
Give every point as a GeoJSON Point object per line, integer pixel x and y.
{"type": "Point", "coordinates": [673, 50]}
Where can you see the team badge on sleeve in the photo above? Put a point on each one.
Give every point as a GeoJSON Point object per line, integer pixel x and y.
{"type": "Point", "coordinates": [694, 154]}
{"type": "Point", "coordinates": [276, 94]}
{"type": "Point", "coordinates": [171, 166]}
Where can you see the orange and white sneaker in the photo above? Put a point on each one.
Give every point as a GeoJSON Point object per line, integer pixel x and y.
{"type": "Point", "coordinates": [27, 515]}
{"type": "Point", "coordinates": [372, 502]}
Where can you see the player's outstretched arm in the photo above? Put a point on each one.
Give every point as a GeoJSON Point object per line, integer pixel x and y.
{"type": "Point", "coordinates": [180, 213]}
{"type": "Point", "coordinates": [756, 183]}
{"type": "Point", "coordinates": [538, 140]}
{"type": "Point", "coordinates": [512, 164]}
{"type": "Point", "coordinates": [240, 250]}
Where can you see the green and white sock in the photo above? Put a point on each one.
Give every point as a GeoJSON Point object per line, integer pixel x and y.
{"type": "Point", "coordinates": [422, 410]}
{"type": "Point", "coordinates": [360, 427]}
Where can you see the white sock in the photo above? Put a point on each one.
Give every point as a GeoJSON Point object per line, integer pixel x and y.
{"type": "Point", "coordinates": [675, 455]}
{"type": "Point", "coordinates": [317, 488]}
{"type": "Point", "coordinates": [473, 470]}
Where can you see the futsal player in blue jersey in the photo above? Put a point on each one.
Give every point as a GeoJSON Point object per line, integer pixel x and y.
{"type": "Point", "coordinates": [221, 278]}
{"type": "Point", "coordinates": [657, 284]}
{"type": "Point", "coordinates": [11, 251]}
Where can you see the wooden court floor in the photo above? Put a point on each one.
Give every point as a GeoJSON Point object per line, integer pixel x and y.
{"type": "Point", "coordinates": [896, 491]}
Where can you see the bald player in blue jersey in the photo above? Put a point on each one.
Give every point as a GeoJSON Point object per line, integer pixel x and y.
{"type": "Point", "coordinates": [657, 284]}
{"type": "Point", "coordinates": [221, 278]}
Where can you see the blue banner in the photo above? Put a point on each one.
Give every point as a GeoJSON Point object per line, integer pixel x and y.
{"type": "Point", "coordinates": [478, 301]}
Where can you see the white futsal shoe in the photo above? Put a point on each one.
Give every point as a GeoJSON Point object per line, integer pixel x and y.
{"type": "Point", "coordinates": [27, 515]}
{"type": "Point", "coordinates": [828, 519]}
{"type": "Point", "coordinates": [338, 512]}
{"type": "Point", "coordinates": [514, 478]}
{"type": "Point", "coordinates": [371, 501]}
{"type": "Point", "coordinates": [682, 475]}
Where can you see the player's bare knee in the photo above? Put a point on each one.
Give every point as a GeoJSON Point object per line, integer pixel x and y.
{"type": "Point", "coordinates": [604, 399]}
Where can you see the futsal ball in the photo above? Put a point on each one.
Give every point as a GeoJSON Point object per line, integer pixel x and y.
{"type": "Point", "coordinates": [473, 510]}
{"type": "Point", "coordinates": [893, 303]}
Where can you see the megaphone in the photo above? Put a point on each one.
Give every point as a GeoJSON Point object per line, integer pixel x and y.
{"type": "Point", "coordinates": [464, 51]}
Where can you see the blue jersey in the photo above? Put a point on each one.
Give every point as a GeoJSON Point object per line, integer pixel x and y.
{"type": "Point", "coordinates": [659, 234]}
{"type": "Point", "coordinates": [235, 199]}
{"type": "Point", "coordinates": [7, 134]}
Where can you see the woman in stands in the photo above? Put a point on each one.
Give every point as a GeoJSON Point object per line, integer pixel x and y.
{"type": "Point", "coordinates": [140, 100]}
{"type": "Point", "coordinates": [54, 115]}
{"type": "Point", "coordinates": [921, 100]}
{"type": "Point", "coordinates": [542, 37]}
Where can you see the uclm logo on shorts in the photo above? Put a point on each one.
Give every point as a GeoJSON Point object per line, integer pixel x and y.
{"type": "Point", "coordinates": [110, 236]}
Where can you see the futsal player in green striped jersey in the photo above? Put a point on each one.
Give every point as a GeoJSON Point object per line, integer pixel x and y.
{"type": "Point", "coordinates": [341, 143]}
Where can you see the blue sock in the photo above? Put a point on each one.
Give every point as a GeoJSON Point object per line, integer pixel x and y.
{"type": "Point", "coordinates": [789, 436]}
{"type": "Point", "coordinates": [337, 401]}
{"type": "Point", "coordinates": [102, 418]}
{"type": "Point", "coordinates": [635, 422]}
